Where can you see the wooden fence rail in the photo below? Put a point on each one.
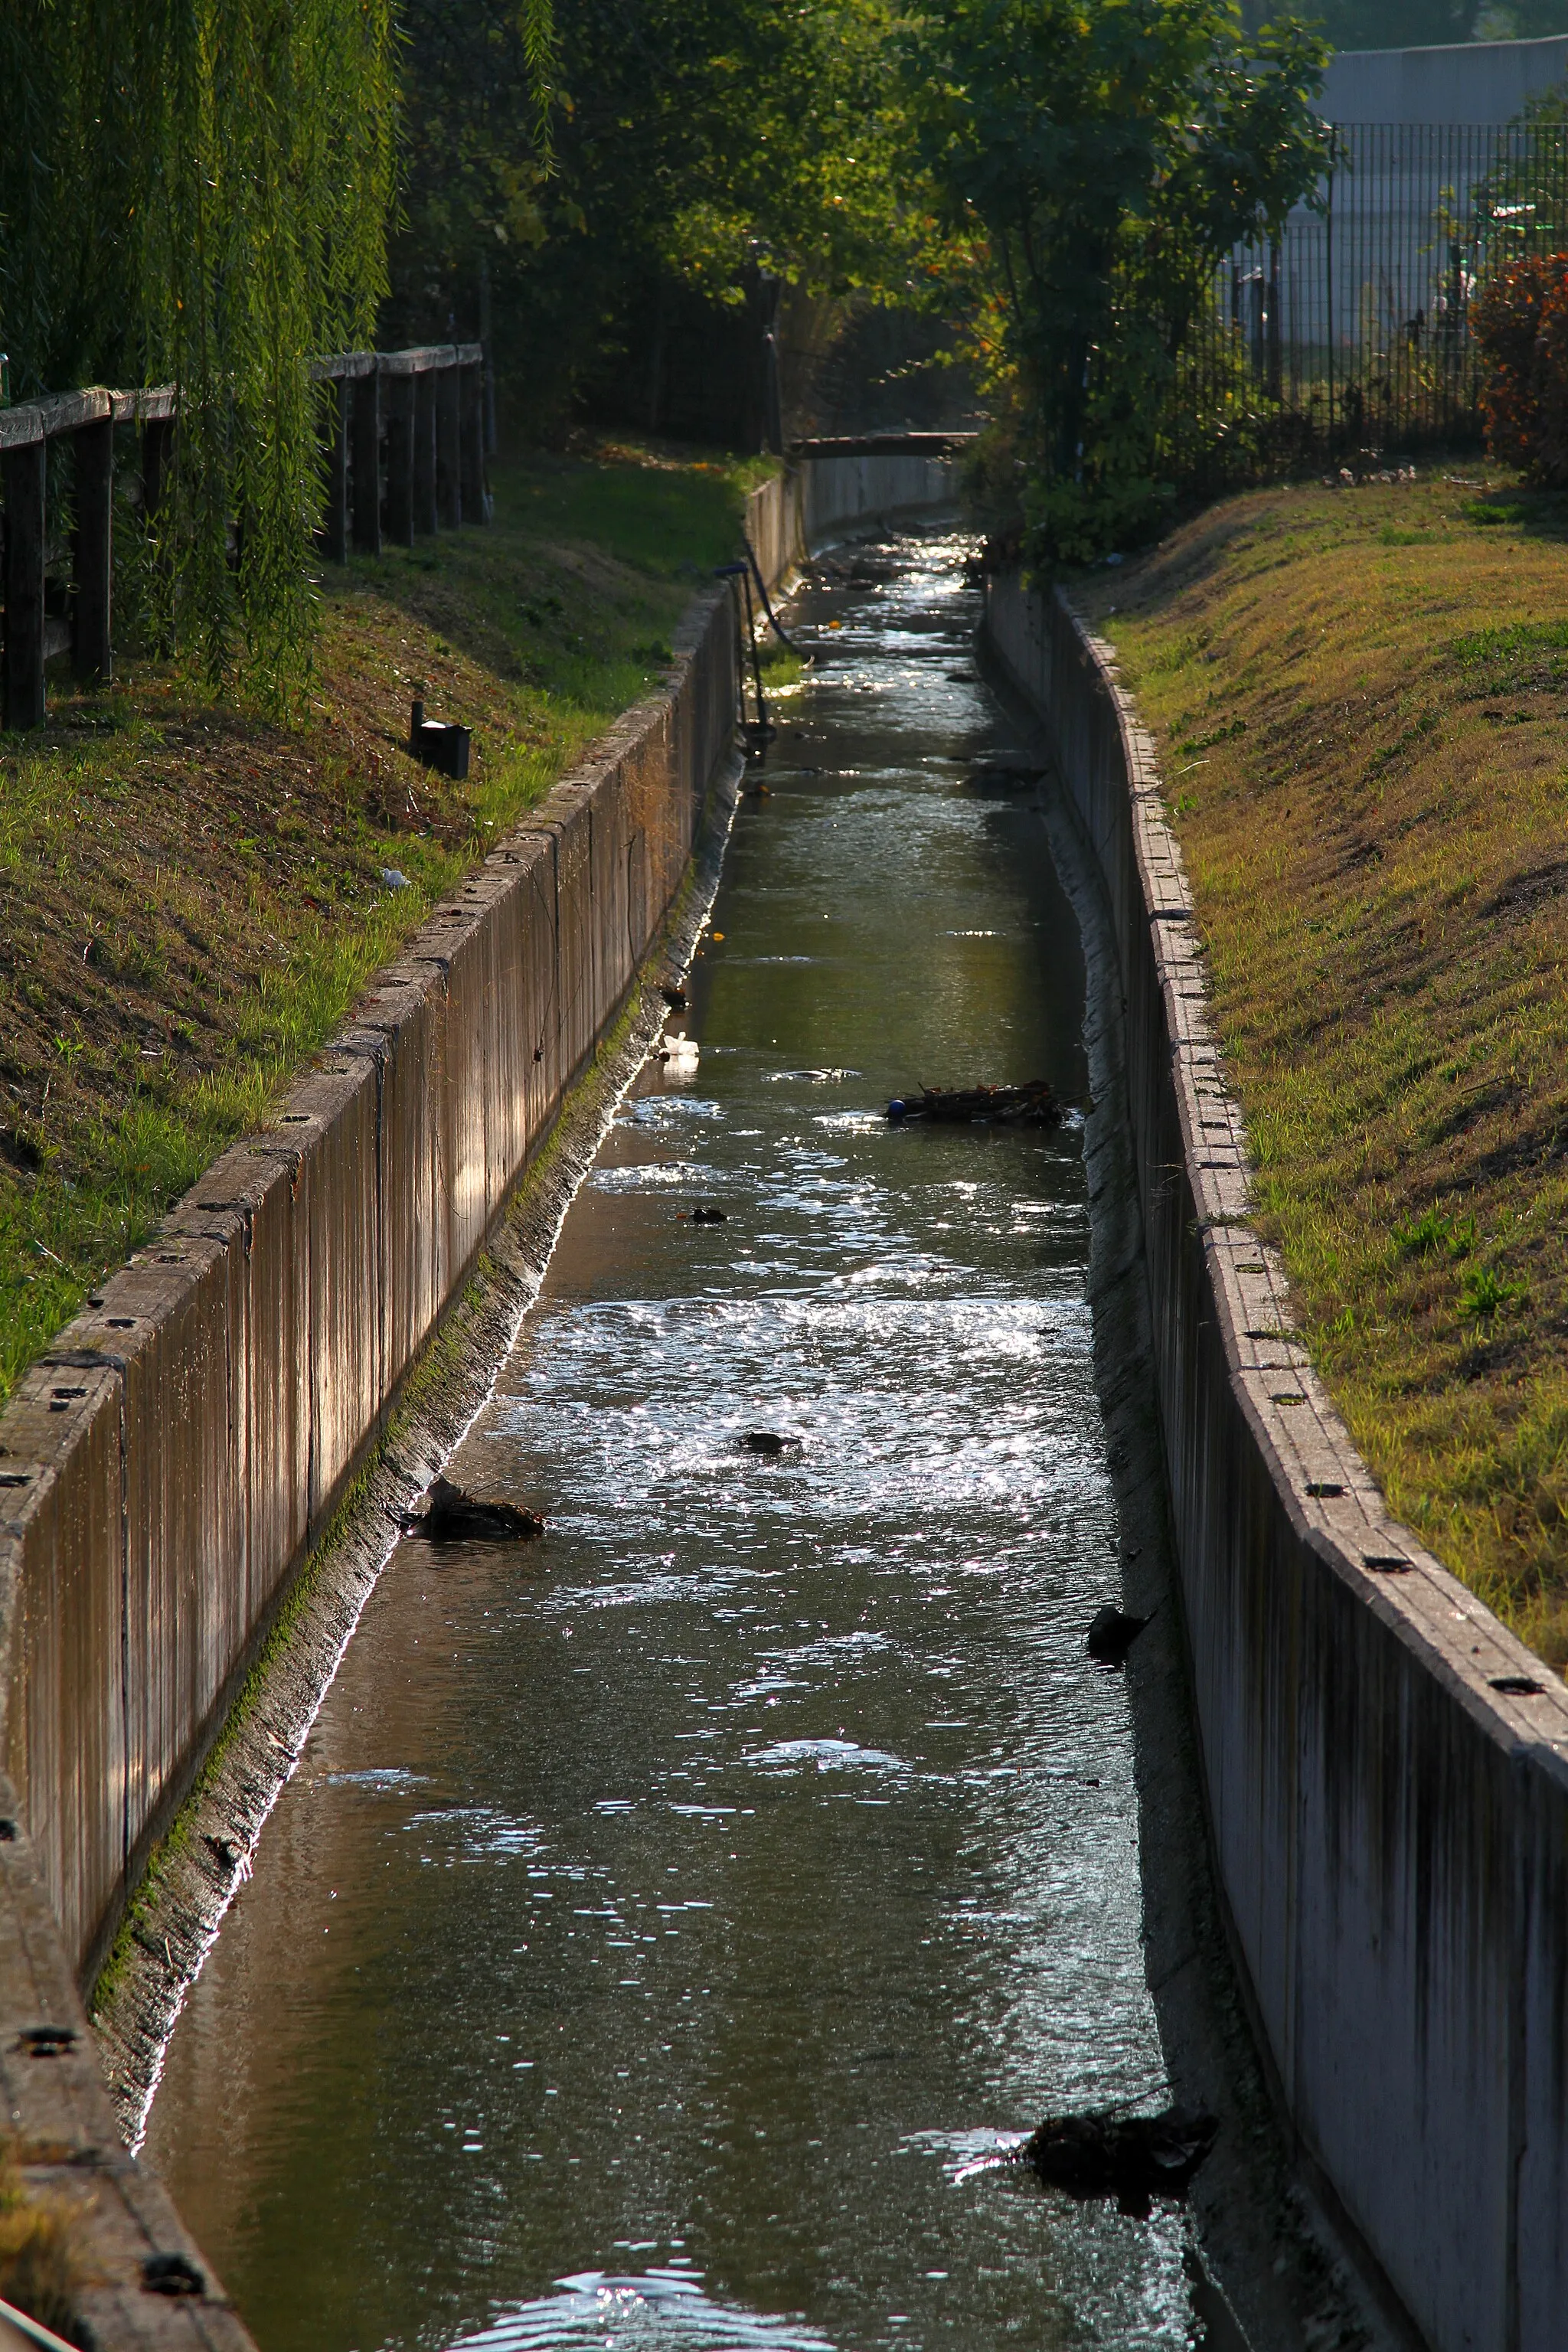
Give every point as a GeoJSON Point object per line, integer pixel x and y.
{"type": "Point", "coordinates": [408, 455]}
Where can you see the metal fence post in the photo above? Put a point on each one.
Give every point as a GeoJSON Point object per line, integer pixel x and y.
{"type": "Point", "coordinates": [471, 414]}
{"type": "Point", "coordinates": [426, 518]}
{"type": "Point", "coordinates": [400, 460]}
{"type": "Point", "coordinates": [448, 453]}
{"type": "Point", "coordinates": [365, 450]}
{"type": "Point", "coordinates": [92, 565]}
{"type": "Point", "coordinates": [23, 471]}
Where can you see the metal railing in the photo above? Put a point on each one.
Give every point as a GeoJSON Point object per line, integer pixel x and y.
{"type": "Point", "coordinates": [1353, 332]}
{"type": "Point", "coordinates": [407, 457]}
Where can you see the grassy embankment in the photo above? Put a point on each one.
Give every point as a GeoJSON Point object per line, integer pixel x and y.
{"type": "Point", "coordinates": [1361, 698]}
{"type": "Point", "coordinates": [191, 895]}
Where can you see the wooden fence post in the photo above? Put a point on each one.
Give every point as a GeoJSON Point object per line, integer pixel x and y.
{"type": "Point", "coordinates": [25, 477]}
{"type": "Point", "coordinates": [92, 554]}
{"type": "Point", "coordinates": [334, 536]}
{"type": "Point", "coordinates": [366, 452]}
{"type": "Point", "coordinates": [426, 518]}
{"type": "Point", "coordinates": [400, 460]}
{"type": "Point", "coordinates": [471, 412]}
{"type": "Point", "coordinates": [448, 454]}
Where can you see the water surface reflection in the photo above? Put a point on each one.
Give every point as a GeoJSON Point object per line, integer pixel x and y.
{"type": "Point", "coordinates": [663, 1921]}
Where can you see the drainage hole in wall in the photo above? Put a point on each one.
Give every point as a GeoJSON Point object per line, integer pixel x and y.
{"type": "Point", "coordinates": [45, 2040]}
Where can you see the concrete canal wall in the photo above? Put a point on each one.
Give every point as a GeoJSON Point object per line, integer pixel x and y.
{"type": "Point", "coordinates": [821, 497]}
{"type": "Point", "coordinates": [1386, 1766]}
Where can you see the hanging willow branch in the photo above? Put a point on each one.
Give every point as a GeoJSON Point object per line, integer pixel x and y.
{"type": "Point", "coordinates": [202, 194]}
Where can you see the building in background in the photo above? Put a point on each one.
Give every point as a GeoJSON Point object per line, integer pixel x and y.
{"type": "Point", "coordinates": [1471, 82]}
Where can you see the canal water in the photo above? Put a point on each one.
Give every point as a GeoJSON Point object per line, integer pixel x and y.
{"type": "Point", "coordinates": [668, 1920]}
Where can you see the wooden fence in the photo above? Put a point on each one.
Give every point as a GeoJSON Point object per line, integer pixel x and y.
{"type": "Point", "coordinates": [408, 456]}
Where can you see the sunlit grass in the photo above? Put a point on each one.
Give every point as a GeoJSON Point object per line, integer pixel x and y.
{"type": "Point", "coordinates": [1361, 698]}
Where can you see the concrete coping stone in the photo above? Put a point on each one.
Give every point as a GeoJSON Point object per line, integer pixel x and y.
{"type": "Point", "coordinates": [134, 1305]}
{"type": "Point", "coordinates": [68, 2144]}
{"type": "Point", "coordinates": [50, 1407]}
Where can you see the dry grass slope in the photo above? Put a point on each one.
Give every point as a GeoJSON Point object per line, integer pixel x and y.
{"type": "Point", "coordinates": [1361, 698]}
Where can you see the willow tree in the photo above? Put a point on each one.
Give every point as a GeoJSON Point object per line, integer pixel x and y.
{"type": "Point", "coordinates": [198, 191]}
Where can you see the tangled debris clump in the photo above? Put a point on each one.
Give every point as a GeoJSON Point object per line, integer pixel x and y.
{"type": "Point", "coordinates": [1133, 2158]}
{"type": "Point", "coordinates": [1030, 1104]}
{"type": "Point", "coordinates": [452, 1516]}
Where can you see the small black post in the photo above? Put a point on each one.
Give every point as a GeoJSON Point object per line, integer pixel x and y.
{"type": "Point", "coordinates": [365, 450]}
{"type": "Point", "coordinates": [426, 518]}
{"type": "Point", "coordinates": [400, 460]}
{"type": "Point", "coordinates": [92, 620]}
{"type": "Point", "coordinates": [335, 522]}
{"type": "Point", "coordinates": [23, 471]}
{"type": "Point", "coordinates": [471, 414]}
{"type": "Point", "coordinates": [449, 451]}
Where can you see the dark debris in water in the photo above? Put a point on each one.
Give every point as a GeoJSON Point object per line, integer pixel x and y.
{"type": "Point", "coordinates": [771, 1443]}
{"type": "Point", "coordinates": [1002, 777]}
{"type": "Point", "coordinates": [1030, 1104]}
{"type": "Point", "coordinates": [451, 1516]}
{"type": "Point", "coordinates": [1111, 1634]}
{"type": "Point", "coordinates": [1133, 2158]}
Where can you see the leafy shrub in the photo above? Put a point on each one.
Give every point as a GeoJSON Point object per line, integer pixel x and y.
{"type": "Point", "coordinates": [1520, 319]}
{"type": "Point", "coordinates": [1436, 1234]}
{"type": "Point", "coordinates": [1482, 1292]}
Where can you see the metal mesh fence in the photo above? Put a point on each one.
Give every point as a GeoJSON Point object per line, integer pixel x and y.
{"type": "Point", "coordinates": [1352, 335]}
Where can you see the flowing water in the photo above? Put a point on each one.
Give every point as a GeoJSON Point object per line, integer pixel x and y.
{"type": "Point", "coordinates": [666, 1920]}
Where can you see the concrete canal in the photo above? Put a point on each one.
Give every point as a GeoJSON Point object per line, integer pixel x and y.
{"type": "Point", "coordinates": [665, 1919]}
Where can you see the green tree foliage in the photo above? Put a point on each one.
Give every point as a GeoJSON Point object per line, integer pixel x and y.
{"type": "Point", "coordinates": [198, 191]}
{"type": "Point", "coordinates": [696, 144]}
{"type": "Point", "coordinates": [1101, 161]}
